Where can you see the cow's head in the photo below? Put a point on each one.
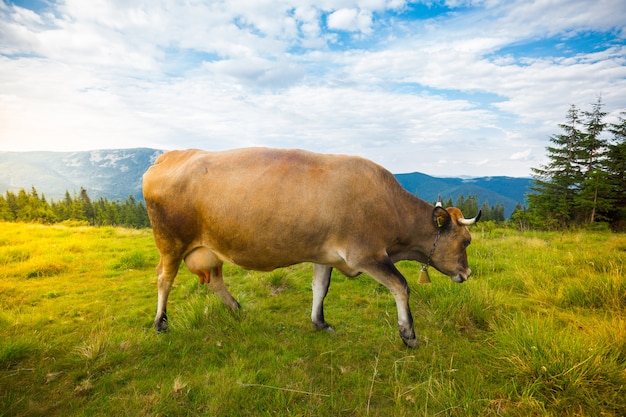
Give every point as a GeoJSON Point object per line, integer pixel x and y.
{"type": "Point", "coordinates": [449, 255]}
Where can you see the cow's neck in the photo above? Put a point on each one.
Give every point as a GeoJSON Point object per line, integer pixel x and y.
{"type": "Point", "coordinates": [417, 232]}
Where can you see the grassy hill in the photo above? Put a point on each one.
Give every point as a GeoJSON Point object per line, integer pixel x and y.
{"type": "Point", "coordinates": [539, 330]}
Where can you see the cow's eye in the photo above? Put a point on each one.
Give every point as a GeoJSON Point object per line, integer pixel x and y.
{"type": "Point", "coordinates": [466, 243]}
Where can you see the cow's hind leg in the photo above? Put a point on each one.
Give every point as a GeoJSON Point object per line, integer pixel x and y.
{"type": "Point", "coordinates": [204, 263]}
{"type": "Point", "coordinates": [385, 272]}
{"type": "Point", "coordinates": [219, 288]}
{"type": "Point", "coordinates": [166, 272]}
{"type": "Point", "coordinates": [321, 282]}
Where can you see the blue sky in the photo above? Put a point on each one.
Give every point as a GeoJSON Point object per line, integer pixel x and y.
{"type": "Point", "coordinates": [457, 87]}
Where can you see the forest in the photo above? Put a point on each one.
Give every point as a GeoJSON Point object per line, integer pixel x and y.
{"type": "Point", "coordinates": [31, 207]}
{"type": "Point", "coordinates": [584, 182]}
{"type": "Point", "coordinates": [77, 209]}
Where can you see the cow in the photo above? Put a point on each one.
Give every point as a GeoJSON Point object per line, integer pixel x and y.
{"type": "Point", "coordinates": [263, 209]}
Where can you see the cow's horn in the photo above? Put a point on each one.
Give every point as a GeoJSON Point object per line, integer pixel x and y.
{"type": "Point", "coordinates": [469, 222]}
{"type": "Point", "coordinates": [438, 204]}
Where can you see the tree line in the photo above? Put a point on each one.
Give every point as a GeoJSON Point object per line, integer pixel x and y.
{"type": "Point", "coordinates": [583, 184]}
{"type": "Point", "coordinates": [31, 207]}
{"type": "Point", "coordinates": [469, 207]}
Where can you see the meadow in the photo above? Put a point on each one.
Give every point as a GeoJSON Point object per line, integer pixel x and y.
{"type": "Point", "coordinates": [539, 330]}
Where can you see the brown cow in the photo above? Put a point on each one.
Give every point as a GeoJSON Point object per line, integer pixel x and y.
{"type": "Point", "coordinates": [263, 209]}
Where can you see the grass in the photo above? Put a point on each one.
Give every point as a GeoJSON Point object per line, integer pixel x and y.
{"type": "Point", "coordinates": [540, 330]}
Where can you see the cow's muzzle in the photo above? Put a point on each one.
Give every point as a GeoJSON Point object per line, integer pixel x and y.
{"type": "Point", "coordinates": [461, 278]}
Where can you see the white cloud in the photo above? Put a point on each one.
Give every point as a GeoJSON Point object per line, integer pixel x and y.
{"type": "Point", "coordinates": [521, 155]}
{"type": "Point", "coordinates": [543, 18]}
{"type": "Point", "coordinates": [26, 16]}
{"type": "Point", "coordinates": [351, 20]}
{"type": "Point", "coordinates": [408, 93]}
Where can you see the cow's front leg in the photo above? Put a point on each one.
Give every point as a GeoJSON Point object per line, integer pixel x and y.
{"type": "Point", "coordinates": [321, 282]}
{"type": "Point", "coordinates": [385, 272]}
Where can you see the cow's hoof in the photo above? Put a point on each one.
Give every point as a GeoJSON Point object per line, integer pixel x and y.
{"type": "Point", "coordinates": [323, 326]}
{"type": "Point", "coordinates": [162, 327]}
{"type": "Point", "coordinates": [411, 343]}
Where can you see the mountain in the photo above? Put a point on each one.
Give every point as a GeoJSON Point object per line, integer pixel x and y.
{"type": "Point", "coordinates": [508, 191]}
{"type": "Point", "coordinates": [113, 174]}
{"type": "Point", "coordinates": [116, 173]}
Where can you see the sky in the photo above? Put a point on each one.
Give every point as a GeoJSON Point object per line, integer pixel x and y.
{"type": "Point", "coordinates": [447, 88]}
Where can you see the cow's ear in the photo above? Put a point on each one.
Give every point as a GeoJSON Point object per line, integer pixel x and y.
{"type": "Point", "coordinates": [441, 217]}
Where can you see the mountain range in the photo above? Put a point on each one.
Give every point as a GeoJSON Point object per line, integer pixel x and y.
{"type": "Point", "coordinates": [116, 174]}
{"type": "Point", "coordinates": [112, 174]}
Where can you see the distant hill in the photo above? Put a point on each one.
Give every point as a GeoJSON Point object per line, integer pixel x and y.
{"type": "Point", "coordinates": [113, 174]}
{"type": "Point", "coordinates": [116, 173]}
{"type": "Point", "coordinates": [508, 191]}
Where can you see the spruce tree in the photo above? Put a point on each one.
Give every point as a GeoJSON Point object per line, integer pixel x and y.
{"type": "Point", "coordinates": [468, 206]}
{"type": "Point", "coordinates": [5, 211]}
{"type": "Point", "coordinates": [486, 212]}
{"type": "Point", "coordinates": [616, 172]}
{"type": "Point", "coordinates": [87, 207]}
{"type": "Point", "coordinates": [556, 184]}
{"type": "Point", "coordinates": [497, 212]}
{"type": "Point", "coordinates": [594, 188]}
{"type": "Point", "coordinates": [11, 199]}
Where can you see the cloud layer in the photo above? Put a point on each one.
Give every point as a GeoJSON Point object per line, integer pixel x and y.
{"type": "Point", "coordinates": [445, 88]}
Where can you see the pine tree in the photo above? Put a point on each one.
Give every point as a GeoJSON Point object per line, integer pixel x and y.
{"type": "Point", "coordinates": [471, 206]}
{"type": "Point", "coordinates": [616, 172]}
{"type": "Point", "coordinates": [594, 190]}
{"type": "Point", "coordinates": [6, 214]}
{"type": "Point", "coordinates": [77, 211]}
{"type": "Point", "coordinates": [485, 212]}
{"type": "Point", "coordinates": [142, 216]}
{"type": "Point", "coordinates": [12, 203]}
{"type": "Point", "coordinates": [556, 183]}
{"type": "Point", "coordinates": [468, 206]}
{"type": "Point", "coordinates": [460, 202]}
{"type": "Point", "coordinates": [85, 202]}
{"type": "Point", "coordinates": [497, 212]}
{"type": "Point", "coordinates": [519, 217]}
{"type": "Point", "coordinates": [63, 209]}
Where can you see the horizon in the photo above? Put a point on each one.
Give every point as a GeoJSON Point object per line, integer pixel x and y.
{"type": "Point", "coordinates": [448, 88]}
{"type": "Point", "coordinates": [460, 176]}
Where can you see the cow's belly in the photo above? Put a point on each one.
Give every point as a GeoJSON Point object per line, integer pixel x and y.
{"type": "Point", "coordinates": [338, 264]}
{"type": "Point", "coordinates": [273, 256]}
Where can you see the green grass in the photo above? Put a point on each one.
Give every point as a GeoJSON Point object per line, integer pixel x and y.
{"type": "Point", "coordinates": [539, 330]}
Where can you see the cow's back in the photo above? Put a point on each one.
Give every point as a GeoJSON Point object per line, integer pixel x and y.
{"type": "Point", "coordinates": [264, 208]}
